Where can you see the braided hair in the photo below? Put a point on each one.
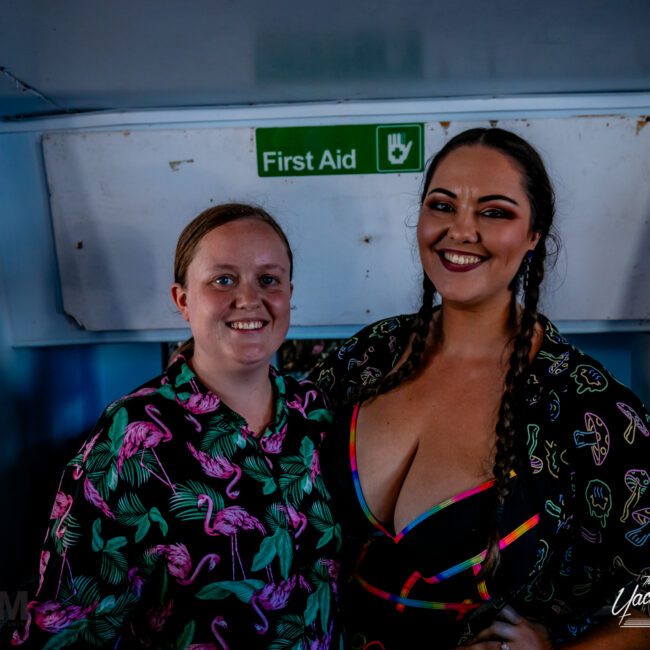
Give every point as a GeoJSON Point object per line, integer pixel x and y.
{"type": "Point", "coordinates": [509, 445]}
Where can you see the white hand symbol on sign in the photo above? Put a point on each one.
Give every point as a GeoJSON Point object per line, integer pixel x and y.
{"type": "Point", "coordinates": [397, 150]}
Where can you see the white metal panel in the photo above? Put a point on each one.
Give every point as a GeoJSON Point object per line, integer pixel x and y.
{"type": "Point", "coordinates": [119, 200]}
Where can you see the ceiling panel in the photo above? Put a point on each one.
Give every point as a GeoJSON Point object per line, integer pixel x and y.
{"type": "Point", "coordinates": [83, 55]}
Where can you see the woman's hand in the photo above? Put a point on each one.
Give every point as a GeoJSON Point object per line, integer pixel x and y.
{"type": "Point", "coordinates": [510, 631]}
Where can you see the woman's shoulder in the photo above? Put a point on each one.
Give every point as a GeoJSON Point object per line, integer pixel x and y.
{"type": "Point", "coordinates": [583, 398]}
{"type": "Point", "coordinates": [363, 359]}
{"type": "Point", "coordinates": [580, 375]}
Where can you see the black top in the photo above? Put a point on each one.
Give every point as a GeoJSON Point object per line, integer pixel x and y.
{"type": "Point", "coordinates": [585, 471]}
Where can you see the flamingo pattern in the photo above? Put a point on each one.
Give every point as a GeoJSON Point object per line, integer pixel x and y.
{"type": "Point", "coordinates": [173, 504]}
{"type": "Point", "coordinates": [587, 446]}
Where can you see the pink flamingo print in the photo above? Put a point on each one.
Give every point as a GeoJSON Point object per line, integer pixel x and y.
{"type": "Point", "coordinates": [199, 402]}
{"type": "Point", "coordinates": [297, 519]}
{"type": "Point", "coordinates": [50, 616]}
{"type": "Point", "coordinates": [78, 471]}
{"type": "Point", "coordinates": [61, 510]}
{"type": "Point", "coordinates": [42, 566]}
{"type": "Point", "coordinates": [157, 616]}
{"type": "Point", "coordinates": [272, 444]}
{"type": "Point", "coordinates": [93, 497]}
{"type": "Point", "coordinates": [301, 405]}
{"type": "Point", "coordinates": [135, 580]}
{"type": "Point", "coordinates": [271, 596]}
{"type": "Point", "coordinates": [229, 522]}
{"type": "Point", "coordinates": [140, 436]}
{"type": "Point", "coordinates": [179, 563]}
{"type": "Point", "coordinates": [219, 621]}
{"type": "Point", "coordinates": [315, 465]}
{"type": "Point", "coordinates": [218, 467]}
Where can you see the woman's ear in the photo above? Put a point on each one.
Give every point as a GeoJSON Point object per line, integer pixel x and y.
{"type": "Point", "coordinates": [179, 296]}
{"type": "Point", "coordinates": [536, 235]}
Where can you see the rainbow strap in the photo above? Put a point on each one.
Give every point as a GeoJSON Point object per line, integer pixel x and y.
{"type": "Point", "coordinates": [402, 600]}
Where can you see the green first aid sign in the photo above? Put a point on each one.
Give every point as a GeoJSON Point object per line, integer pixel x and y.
{"type": "Point", "coordinates": [348, 149]}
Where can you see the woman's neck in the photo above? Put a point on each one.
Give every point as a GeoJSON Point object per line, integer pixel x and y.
{"type": "Point", "coordinates": [480, 332]}
{"type": "Point", "coordinates": [248, 392]}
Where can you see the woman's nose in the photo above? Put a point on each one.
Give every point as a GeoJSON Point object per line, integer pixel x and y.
{"type": "Point", "coordinates": [464, 226]}
{"type": "Point", "coordinates": [247, 295]}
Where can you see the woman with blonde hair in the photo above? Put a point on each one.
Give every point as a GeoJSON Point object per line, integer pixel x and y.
{"type": "Point", "coordinates": [195, 515]}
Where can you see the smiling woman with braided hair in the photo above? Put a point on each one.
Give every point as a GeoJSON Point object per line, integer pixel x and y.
{"type": "Point", "coordinates": [490, 487]}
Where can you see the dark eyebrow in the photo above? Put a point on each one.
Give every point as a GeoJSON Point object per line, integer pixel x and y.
{"type": "Point", "coordinates": [483, 199]}
{"type": "Point", "coordinates": [442, 190]}
{"type": "Point", "coordinates": [497, 197]}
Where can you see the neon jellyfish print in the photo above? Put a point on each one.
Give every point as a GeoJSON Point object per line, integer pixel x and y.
{"type": "Point", "coordinates": [589, 379]}
{"type": "Point", "coordinates": [536, 463]}
{"type": "Point", "coordinates": [179, 563]}
{"type": "Point", "coordinates": [229, 522]}
{"type": "Point", "coordinates": [599, 500]}
{"type": "Point", "coordinates": [640, 536]}
{"type": "Point", "coordinates": [635, 423]}
{"type": "Point", "coordinates": [140, 436]}
{"type": "Point", "coordinates": [218, 467]}
{"type": "Point", "coordinates": [636, 481]}
{"type": "Point", "coordinates": [596, 436]}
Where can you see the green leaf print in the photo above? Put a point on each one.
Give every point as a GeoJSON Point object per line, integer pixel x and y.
{"type": "Point", "coordinates": [243, 589]}
{"type": "Point", "coordinates": [292, 487]}
{"type": "Point", "coordinates": [82, 591]}
{"type": "Point", "coordinates": [129, 509]}
{"type": "Point", "coordinates": [276, 517]}
{"type": "Point", "coordinates": [307, 451]}
{"type": "Point", "coordinates": [324, 601]}
{"type": "Point", "coordinates": [278, 545]}
{"type": "Point", "coordinates": [101, 456]}
{"type": "Point", "coordinates": [64, 638]}
{"type": "Point", "coordinates": [184, 503]}
{"type": "Point", "coordinates": [167, 392]}
{"type": "Point", "coordinates": [223, 436]}
{"type": "Point", "coordinates": [186, 636]}
{"type": "Point", "coordinates": [185, 376]}
{"type": "Point", "coordinates": [285, 552]}
{"type": "Point", "coordinates": [118, 427]}
{"type": "Point", "coordinates": [106, 605]}
{"type": "Point", "coordinates": [264, 557]}
{"type": "Point", "coordinates": [291, 634]}
{"type": "Point", "coordinates": [320, 517]}
{"type": "Point", "coordinates": [321, 415]}
{"type": "Point", "coordinates": [71, 533]}
{"type": "Point", "coordinates": [259, 471]}
{"type": "Point", "coordinates": [97, 539]}
{"type": "Point", "coordinates": [137, 470]}
{"type": "Point", "coordinates": [156, 517]}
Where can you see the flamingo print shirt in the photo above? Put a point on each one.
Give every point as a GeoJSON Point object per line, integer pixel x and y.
{"type": "Point", "coordinates": [176, 527]}
{"type": "Point", "coordinates": [584, 442]}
